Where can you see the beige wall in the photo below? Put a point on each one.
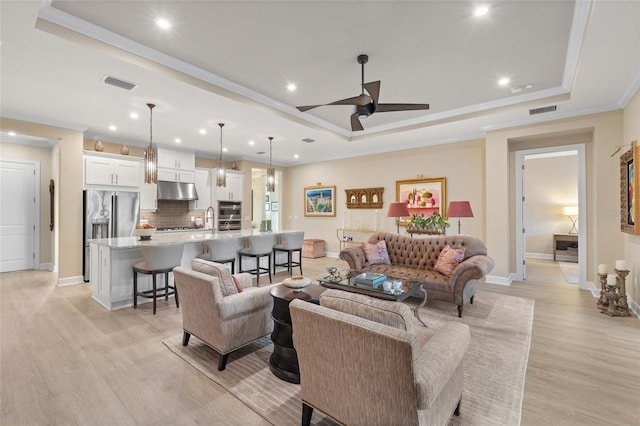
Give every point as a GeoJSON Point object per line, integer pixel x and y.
{"type": "Point", "coordinates": [67, 167]}
{"type": "Point", "coordinates": [632, 242]}
{"type": "Point", "coordinates": [462, 164]}
{"type": "Point", "coordinates": [43, 155]}
{"type": "Point", "coordinates": [605, 242]}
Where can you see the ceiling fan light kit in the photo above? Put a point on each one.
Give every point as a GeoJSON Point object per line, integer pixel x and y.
{"type": "Point", "coordinates": [367, 104]}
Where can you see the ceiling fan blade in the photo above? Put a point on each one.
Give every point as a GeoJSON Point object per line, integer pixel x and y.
{"type": "Point", "coordinates": [355, 122]}
{"type": "Point", "coordinates": [307, 107]}
{"type": "Point", "coordinates": [400, 107]}
{"type": "Point", "coordinates": [356, 100]}
{"type": "Point", "coordinates": [373, 88]}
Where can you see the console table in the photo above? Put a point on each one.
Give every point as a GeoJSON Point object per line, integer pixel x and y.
{"type": "Point", "coordinates": [566, 244]}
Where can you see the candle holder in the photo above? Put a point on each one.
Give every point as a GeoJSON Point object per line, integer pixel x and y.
{"type": "Point", "coordinates": [603, 303]}
{"type": "Point", "coordinates": [613, 297]}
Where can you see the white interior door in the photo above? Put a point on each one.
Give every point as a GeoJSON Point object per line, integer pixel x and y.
{"type": "Point", "coordinates": [18, 182]}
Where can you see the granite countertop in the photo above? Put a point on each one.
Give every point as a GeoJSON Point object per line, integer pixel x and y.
{"type": "Point", "coordinates": [196, 236]}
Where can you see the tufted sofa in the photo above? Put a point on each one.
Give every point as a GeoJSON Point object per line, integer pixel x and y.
{"type": "Point", "coordinates": [416, 258]}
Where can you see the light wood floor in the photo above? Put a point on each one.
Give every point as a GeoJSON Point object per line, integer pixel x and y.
{"type": "Point", "coordinates": [65, 360]}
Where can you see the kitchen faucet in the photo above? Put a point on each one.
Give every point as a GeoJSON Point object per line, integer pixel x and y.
{"type": "Point", "coordinates": [209, 218]}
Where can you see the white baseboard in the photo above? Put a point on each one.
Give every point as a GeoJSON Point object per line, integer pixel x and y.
{"type": "Point", "coordinates": [331, 254]}
{"type": "Point", "coordinates": [494, 279]}
{"type": "Point", "coordinates": [589, 286]}
{"type": "Point", "coordinates": [70, 281]}
{"type": "Point", "coordinates": [48, 266]}
{"type": "Point", "coordinates": [545, 256]}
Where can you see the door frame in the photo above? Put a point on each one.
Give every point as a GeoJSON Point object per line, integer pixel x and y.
{"type": "Point", "coordinates": [582, 207]}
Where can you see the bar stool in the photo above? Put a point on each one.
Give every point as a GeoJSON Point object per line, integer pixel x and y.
{"type": "Point", "coordinates": [157, 260]}
{"type": "Point", "coordinates": [290, 243]}
{"type": "Point", "coordinates": [223, 250]}
{"type": "Point", "coordinates": [259, 246]}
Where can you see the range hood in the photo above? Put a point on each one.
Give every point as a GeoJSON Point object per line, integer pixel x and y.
{"type": "Point", "coordinates": [176, 191]}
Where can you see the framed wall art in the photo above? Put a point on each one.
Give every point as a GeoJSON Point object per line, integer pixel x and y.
{"type": "Point", "coordinates": [274, 206]}
{"type": "Point", "coordinates": [422, 196]}
{"type": "Point", "coordinates": [320, 200]}
{"type": "Point", "coordinates": [364, 198]}
{"type": "Point", "coordinates": [629, 186]}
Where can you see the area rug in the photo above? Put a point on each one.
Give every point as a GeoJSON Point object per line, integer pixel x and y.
{"type": "Point", "coordinates": [570, 272]}
{"type": "Point", "coordinates": [495, 365]}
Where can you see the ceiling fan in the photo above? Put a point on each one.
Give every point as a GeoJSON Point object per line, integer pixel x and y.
{"type": "Point", "coordinates": [367, 104]}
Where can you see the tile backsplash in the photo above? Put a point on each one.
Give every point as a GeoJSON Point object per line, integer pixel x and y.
{"type": "Point", "coordinates": [172, 214]}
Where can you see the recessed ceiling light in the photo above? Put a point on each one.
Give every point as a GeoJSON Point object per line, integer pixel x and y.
{"type": "Point", "coordinates": [133, 115]}
{"type": "Point", "coordinates": [296, 156]}
{"type": "Point", "coordinates": [177, 140]}
{"type": "Point", "coordinates": [529, 86]}
{"type": "Point", "coordinates": [225, 149]}
{"type": "Point", "coordinates": [113, 128]}
{"type": "Point", "coordinates": [481, 10]}
{"type": "Point", "coordinates": [203, 131]}
{"type": "Point", "coordinates": [252, 143]}
{"type": "Point", "coordinates": [163, 23]}
{"type": "Point", "coordinates": [504, 81]}
{"type": "Point", "coordinates": [12, 133]}
{"type": "Point", "coordinates": [291, 87]}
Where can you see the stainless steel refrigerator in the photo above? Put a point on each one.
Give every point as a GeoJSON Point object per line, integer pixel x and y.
{"type": "Point", "coordinates": [108, 214]}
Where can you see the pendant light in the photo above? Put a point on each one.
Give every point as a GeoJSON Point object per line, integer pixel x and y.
{"type": "Point", "coordinates": [150, 154]}
{"type": "Point", "coordinates": [221, 176]}
{"type": "Point", "coordinates": [271, 172]}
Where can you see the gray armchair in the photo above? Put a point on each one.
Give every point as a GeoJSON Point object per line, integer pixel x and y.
{"type": "Point", "coordinates": [224, 322]}
{"type": "Point", "coordinates": [365, 361]}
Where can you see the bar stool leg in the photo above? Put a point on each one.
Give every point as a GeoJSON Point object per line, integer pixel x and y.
{"type": "Point", "coordinates": [257, 270]}
{"type": "Point", "coordinates": [166, 286]}
{"type": "Point", "coordinates": [154, 293]}
{"type": "Point", "coordinates": [269, 266]}
{"type": "Point", "coordinates": [135, 290]}
{"type": "Point", "coordinates": [175, 290]}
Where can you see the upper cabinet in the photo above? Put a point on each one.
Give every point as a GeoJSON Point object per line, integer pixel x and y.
{"type": "Point", "coordinates": [233, 190]}
{"type": "Point", "coordinates": [203, 188]}
{"type": "Point", "coordinates": [111, 170]}
{"type": "Point", "coordinates": [176, 166]}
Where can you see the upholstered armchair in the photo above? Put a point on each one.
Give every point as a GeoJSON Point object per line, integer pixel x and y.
{"type": "Point", "coordinates": [366, 361]}
{"type": "Point", "coordinates": [217, 312]}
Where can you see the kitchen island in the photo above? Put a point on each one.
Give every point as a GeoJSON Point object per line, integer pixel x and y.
{"type": "Point", "coordinates": [112, 260]}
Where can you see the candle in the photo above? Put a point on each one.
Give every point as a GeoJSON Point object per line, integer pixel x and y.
{"type": "Point", "coordinates": [611, 279]}
{"type": "Point", "coordinates": [602, 268]}
{"type": "Point", "coordinates": [621, 265]}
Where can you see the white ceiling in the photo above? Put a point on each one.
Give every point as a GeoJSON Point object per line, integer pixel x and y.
{"type": "Point", "coordinates": [230, 61]}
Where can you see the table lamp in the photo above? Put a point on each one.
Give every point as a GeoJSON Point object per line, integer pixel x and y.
{"type": "Point", "coordinates": [569, 212]}
{"type": "Point", "coordinates": [459, 209]}
{"type": "Point", "coordinates": [398, 210]}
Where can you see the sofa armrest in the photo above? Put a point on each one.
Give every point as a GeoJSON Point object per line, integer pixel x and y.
{"type": "Point", "coordinates": [354, 256]}
{"type": "Point", "coordinates": [436, 358]}
{"type": "Point", "coordinates": [248, 301]}
{"type": "Point", "coordinates": [472, 268]}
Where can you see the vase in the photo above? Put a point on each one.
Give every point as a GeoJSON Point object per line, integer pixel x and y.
{"type": "Point", "coordinates": [124, 150]}
{"type": "Point", "coordinates": [99, 146]}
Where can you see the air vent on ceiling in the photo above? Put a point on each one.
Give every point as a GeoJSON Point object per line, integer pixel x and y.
{"type": "Point", "coordinates": [308, 140]}
{"type": "Point", "coordinates": [260, 152]}
{"type": "Point", "coordinates": [542, 110]}
{"type": "Point", "coordinates": [119, 83]}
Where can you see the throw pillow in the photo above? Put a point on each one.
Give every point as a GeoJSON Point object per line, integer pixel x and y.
{"type": "Point", "coordinates": [376, 254]}
{"type": "Point", "coordinates": [217, 270]}
{"type": "Point", "coordinates": [448, 260]}
{"type": "Point", "coordinates": [237, 283]}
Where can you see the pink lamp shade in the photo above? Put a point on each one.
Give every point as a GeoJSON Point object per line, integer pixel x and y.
{"type": "Point", "coordinates": [398, 210]}
{"type": "Point", "coordinates": [459, 209]}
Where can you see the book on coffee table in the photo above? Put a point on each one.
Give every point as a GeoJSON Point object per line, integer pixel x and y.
{"type": "Point", "coordinates": [373, 279]}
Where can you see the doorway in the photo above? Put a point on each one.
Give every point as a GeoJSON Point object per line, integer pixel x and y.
{"type": "Point", "coordinates": [265, 206]}
{"type": "Point", "coordinates": [19, 230]}
{"type": "Point", "coordinates": [548, 220]}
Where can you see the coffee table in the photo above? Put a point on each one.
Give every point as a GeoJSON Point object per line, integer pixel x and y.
{"type": "Point", "coordinates": [410, 287]}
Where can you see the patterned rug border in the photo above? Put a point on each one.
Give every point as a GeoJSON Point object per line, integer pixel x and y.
{"type": "Point", "coordinates": [503, 351]}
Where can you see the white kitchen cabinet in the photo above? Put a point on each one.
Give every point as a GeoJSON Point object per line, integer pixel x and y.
{"type": "Point", "coordinates": [109, 170]}
{"type": "Point", "coordinates": [173, 175]}
{"type": "Point", "coordinates": [149, 196]}
{"type": "Point", "coordinates": [176, 166]}
{"type": "Point", "coordinates": [234, 188]}
{"type": "Point", "coordinates": [203, 188]}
